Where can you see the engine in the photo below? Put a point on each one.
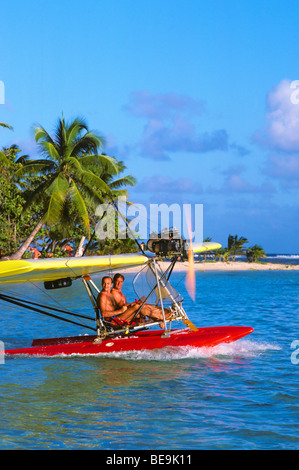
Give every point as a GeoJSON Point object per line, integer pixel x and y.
{"type": "Point", "coordinates": [168, 244]}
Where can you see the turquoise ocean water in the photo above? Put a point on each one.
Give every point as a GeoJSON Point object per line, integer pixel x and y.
{"type": "Point", "coordinates": [239, 396]}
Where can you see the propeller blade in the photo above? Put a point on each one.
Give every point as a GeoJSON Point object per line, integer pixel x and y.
{"type": "Point", "coordinates": [190, 278]}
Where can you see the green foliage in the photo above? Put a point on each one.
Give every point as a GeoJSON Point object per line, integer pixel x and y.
{"type": "Point", "coordinates": [235, 247]}
{"type": "Point", "coordinates": [255, 253]}
{"type": "Point", "coordinates": [56, 195]}
{"type": "Point", "coordinates": [70, 171]}
{"type": "Point", "coordinates": [3, 124]}
{"type": "Point", "coordinates": [13, 227]}
{"type": "Point", "coordinates": [112, 246]}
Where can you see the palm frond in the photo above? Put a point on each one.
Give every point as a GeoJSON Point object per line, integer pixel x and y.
{"type": "Point", "coordinates": [3, 124]}
{"type": "Point", "coordinates": [42, 137]}
{"type": "Point", "coordinates": [100, 164]}
{"type": "Point", "coordinates": [89, 178]}
{"type": "Point", "coordinates": [91, 196]}
{"type": "Point", "coordinates": [125, 181]}
{"type": "Point", "coordinates": [38, 195]}
{"type": "Point", "coordinates": [40, 133]}
{"type": "Point", "coordinates": [35, 167]}
{"type": "Point", "coordinates": [50, 150]}
{"type": "Point", "coordinates": [80, 206]}
{"type": "Point", "coordinates": [88, 143]}
{"type": "Point", "coordinates": [74, 129]}
{"type": "Point", "coordinates": [23, 159]}
{"type": "Point", "coordinates": [57, 192]}
{"type": "Point", "coordinates": [73, 134]}
{"type": "Point", "coordinates": [79, 122]}
{"type": "Point", "coordinates": [116, 193]}
{"type": "Point", "coordinates": [86, 177]}
{"type": "Point", "coordinates": [74, 166]}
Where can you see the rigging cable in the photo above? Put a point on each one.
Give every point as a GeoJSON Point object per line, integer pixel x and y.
{"type": "Point", "coordinates": [26, 304]}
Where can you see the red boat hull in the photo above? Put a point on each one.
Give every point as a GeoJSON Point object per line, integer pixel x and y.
{"type": "Point", "coordinates": [142, 340]}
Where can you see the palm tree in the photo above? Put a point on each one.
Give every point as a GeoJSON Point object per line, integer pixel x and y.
{"type": "Point", "coordinates": [73, 175]}
{"type": "Point", "coordinates": [223, 253]}
{"type": "Point", "coordinates": [116, 188]}
{"type": "Point", "coordinates": [235, 245]}
{"type": "Point", "coordinates": [254, 253]}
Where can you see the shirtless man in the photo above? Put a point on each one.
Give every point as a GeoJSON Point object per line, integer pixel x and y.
{"type": "Point", "coordinates": [108, 306]}
{"type": "Point", "coordinates": [147, 310]}
{"type": "Point", "coordinates": [121, 300]}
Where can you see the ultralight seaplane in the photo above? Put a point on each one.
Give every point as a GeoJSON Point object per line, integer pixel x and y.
{"type": "Point", "coordinates": [107, 337]}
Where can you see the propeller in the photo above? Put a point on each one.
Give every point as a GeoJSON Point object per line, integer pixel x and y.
{"type": "Point", "coordinates": [190, 282]}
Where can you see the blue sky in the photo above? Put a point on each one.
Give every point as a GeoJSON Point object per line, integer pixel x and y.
{"type": "Point", "coordinates": [195, 97]}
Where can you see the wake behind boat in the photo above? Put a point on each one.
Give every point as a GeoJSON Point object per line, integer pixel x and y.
{"type": "Point", "coordinates": [152, 287]}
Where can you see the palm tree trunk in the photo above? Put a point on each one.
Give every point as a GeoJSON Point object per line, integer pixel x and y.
{"type": "Point", "coordinates": [79, 251]}
{"type": "Point", "coordinates": [18, 254]}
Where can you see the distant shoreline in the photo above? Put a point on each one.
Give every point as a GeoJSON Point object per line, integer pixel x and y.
{"type": "Point", "coordinates": [229, 266]}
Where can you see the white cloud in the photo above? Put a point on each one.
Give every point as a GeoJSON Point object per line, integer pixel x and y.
{"type": "Point", "coordinates": [162, 105]}
{"type": "Point", "coordinates": [169, 128]}
{"type": "Point", "coordinates": [281, 129]}
{"type": "Point", "coordinates": [280, 134]}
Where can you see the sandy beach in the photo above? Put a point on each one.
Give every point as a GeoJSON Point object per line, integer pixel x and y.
{"type": "Point", "coordinates": [230, 266]}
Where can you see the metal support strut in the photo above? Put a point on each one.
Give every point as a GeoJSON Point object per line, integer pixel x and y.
{"type": "Point", "coordinates": [99, 323]}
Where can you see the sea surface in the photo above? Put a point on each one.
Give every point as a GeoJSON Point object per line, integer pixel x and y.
{"type": "Point", "coordinates": [240, 396]}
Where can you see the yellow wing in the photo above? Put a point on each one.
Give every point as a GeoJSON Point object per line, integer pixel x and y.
{"type": "Point", "coordinates": [58, 268]}
{"type": "Point", "coordinates": [206, 246]}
